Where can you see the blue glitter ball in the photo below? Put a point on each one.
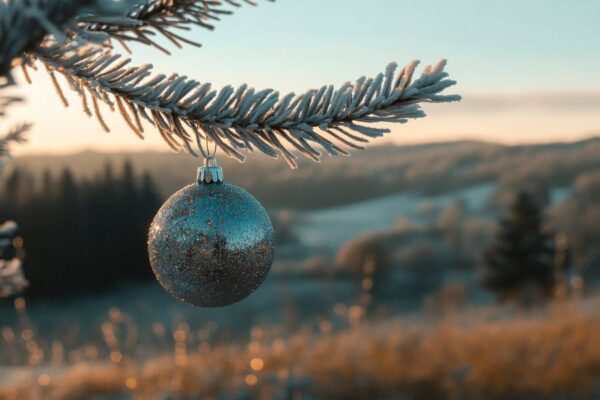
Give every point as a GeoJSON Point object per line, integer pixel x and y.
{"type": "Point", "coordinates": [211, 244]}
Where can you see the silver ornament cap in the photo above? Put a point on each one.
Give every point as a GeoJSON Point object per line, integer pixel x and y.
{"type": "Point", "coordinates": [211, 172]}
{"type": "Point", "coordinates": [211, 243]}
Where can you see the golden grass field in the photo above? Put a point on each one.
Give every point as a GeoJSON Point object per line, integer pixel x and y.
{"type": "Point", "coordinates": [485, 353]}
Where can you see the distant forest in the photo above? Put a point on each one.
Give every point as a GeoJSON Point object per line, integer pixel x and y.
{"type": "Point", "coordinates": [81, 236]}
{"type": "Point", "coordinates": [433, 168]}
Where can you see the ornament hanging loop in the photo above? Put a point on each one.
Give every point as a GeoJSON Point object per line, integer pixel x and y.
{"type": "Point", "coordinates": [211, 173]}
{"type": "Point", "coordinates": [206, 152]}
{"type": "Point", "coordinates": [210, 161]}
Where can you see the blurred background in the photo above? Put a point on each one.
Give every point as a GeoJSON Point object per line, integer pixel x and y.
{"type": "Point", "coordinates": [463, 268]}
{"type": "Point", "coordinates": [458, 258]}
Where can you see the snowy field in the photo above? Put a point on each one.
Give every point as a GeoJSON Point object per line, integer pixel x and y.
{"type": "Point", "coordinates": [330, 228]}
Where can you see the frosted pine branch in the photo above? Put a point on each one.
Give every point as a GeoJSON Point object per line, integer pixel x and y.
{"type": "Point", "coordinates": [6, 101]}
{"type": "Point", "coordinates": [15, 135]}
{"type": "Point", "coordinates": [243, 119]}
{"type": "Point", "coordinates": [75, 43]}
{"type": "Point", "coordinates": [24, 25]}
{"type": "Point", "coordinates": [160, 18]}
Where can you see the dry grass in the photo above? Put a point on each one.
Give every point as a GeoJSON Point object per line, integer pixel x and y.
{"type": "Point", "coordinates": [550, 353]}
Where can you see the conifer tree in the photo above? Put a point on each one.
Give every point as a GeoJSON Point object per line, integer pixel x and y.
{"type": "Point", "coordinates": [519, 264]}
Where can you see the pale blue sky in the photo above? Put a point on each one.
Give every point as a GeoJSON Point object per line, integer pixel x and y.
{"type": "Point", "coordinates": [505, 45]}
{"type": "Point", "coordinates": [529, 69]}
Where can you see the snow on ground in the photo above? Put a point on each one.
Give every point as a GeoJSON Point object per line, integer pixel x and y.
{"type": "Point", "coordinates": [330, 228]}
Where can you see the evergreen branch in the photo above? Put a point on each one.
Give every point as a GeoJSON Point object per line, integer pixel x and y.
{"type": "Point", "coordinates": [160, 17]}
{"type": "Point", "coordinates": [15, 135]}
{"type": "Point", "coordinates": [6, 101]}
{"type": "Point", "coordinates": [184, 110]}
{"type": "Point", "coordinates": [24, 24]}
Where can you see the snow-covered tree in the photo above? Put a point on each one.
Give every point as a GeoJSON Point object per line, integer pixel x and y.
{"type": "Point", "coordinates": [519, 265]}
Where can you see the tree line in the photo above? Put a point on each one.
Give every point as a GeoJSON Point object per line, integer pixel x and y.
{"type": "Point", "coordinates": [81, 236]}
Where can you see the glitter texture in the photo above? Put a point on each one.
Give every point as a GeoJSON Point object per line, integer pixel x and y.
{"type": "Point", "coordinates": [211, 245]}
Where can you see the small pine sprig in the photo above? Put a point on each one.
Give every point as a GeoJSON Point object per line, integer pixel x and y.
{"type": "Point", "coordinates": [6, 101]}
{"type": "Point", "coordinates": [184, 110]}
{"type": "Point", "coordinates": [15, 135]}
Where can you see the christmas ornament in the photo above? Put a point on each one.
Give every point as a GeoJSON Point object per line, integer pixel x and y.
{"type": "Point", "coordinates": [211, 243]}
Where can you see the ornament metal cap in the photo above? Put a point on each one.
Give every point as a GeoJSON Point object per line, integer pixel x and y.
{"type": "Point", "coordinates": [210, 173]}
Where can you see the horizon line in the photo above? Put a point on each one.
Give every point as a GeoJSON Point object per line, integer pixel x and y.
{"type": "Point", "coordinates": [387, 143]}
